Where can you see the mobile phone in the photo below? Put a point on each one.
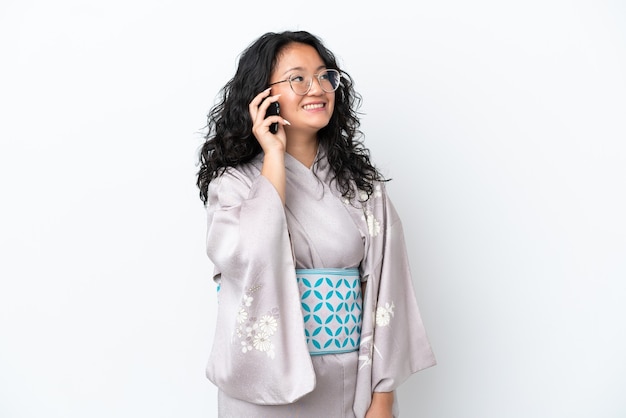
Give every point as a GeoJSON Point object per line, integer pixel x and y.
{"type": "Point", "coordinates": [273, 110]}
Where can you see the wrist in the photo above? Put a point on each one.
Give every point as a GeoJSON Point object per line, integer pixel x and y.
{"type": "Point", "coordinates": [383, 398]}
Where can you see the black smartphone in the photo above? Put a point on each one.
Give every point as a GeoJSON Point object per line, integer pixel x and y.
{"type": "Point", "coordinates": [272, 110]}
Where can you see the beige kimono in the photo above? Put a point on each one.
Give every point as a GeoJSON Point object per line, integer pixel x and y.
{"type": "Point", "coordinates": [259, 360]}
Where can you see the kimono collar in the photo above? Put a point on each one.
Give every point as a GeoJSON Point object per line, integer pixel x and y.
{"type": "Point", "coordinates": [308, 180]}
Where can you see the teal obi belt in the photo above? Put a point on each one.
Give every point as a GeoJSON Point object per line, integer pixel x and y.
{"type": "Point", "coordinates": [331, 305]}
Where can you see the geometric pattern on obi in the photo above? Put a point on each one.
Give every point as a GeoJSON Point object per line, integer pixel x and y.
{"type": "Point", "coordinates": [331, 305]}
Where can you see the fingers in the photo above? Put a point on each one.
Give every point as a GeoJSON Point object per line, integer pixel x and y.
{"type": "Point", "coordinates": [268, 140]}
{"type": "Point", "coordinates": [253, 107]}
{"type": "Point", "coordinates": [258, 110]}
{"type": "Point", "coordinates": [259, 104]}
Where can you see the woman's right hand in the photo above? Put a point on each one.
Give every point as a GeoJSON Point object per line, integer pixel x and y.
{"type": "Point", "coordinates": [274, 145]}
{"type": "Point", "coordinates": [261, 125]}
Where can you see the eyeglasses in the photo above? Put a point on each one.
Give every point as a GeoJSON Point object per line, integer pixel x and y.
{"type": "Point", "coordinates": [328, 79]}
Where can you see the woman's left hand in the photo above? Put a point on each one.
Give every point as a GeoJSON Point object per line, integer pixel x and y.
{"type": "Point", "coordinates": [381, 406]}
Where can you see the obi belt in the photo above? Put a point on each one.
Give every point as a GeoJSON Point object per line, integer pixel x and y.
{"type": "Point", "coordinates": [331, 305]}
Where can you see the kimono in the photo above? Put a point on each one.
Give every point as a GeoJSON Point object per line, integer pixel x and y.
{"type": "Point", "coordinates": [259, 359]}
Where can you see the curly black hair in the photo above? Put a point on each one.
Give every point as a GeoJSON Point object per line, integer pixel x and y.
{"type": "Point", "coordinates": [230, 142]}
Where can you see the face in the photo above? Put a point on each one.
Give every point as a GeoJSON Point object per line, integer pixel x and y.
{"type": "Point", "coordinates": [308, 113]}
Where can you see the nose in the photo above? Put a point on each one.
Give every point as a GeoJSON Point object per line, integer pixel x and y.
{"type": "Point", "coordinates": [316, 87]}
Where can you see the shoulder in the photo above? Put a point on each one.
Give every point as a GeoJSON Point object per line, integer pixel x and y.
{"type": "Point", "coordinates": [234, 182]}
{"type": "Point", "coordinates": [380, 204]}
{"type": "Point", "coordinates": [377, 196]}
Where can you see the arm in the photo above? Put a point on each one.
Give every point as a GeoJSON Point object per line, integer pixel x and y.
{"type": "Point", "coordinates": [249, 246]}
{"type": "Point", "coordinates": [393, 339]}
{"type": "Point", "coordinates": [274, 170]}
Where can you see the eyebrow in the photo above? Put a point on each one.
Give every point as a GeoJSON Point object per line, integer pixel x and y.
{"type": "Point", "coordinates": [321, 67]}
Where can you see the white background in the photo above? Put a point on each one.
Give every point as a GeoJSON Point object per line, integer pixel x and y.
{"type": "Point", "coordinates": [502, 125]}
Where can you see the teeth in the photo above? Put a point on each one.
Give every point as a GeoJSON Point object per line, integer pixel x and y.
{"type": "Point", "coordinates": [313, 106]}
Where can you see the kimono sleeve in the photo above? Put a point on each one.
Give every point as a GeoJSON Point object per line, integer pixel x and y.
{"type": "Point", "coordinates": [394, 343]}
{"type": "Point", "coordinates": [259, 351]}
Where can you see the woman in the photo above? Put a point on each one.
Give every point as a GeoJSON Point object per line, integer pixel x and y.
{"type": "Point", "coordinates": [317, 314]}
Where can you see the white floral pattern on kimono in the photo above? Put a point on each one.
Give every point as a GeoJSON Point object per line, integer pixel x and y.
{"type": "Point", "coordinates": [255, 333]}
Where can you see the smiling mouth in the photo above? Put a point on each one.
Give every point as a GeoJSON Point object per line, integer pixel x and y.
{"type": "Point", "coordinates": [314, 106]}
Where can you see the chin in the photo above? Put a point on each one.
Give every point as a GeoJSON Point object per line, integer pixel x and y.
{"type": "Point", "coordinates": [321, 124]}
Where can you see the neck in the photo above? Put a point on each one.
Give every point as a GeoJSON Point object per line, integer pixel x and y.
{"type": "Point", "coordinates": [303, 151]}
